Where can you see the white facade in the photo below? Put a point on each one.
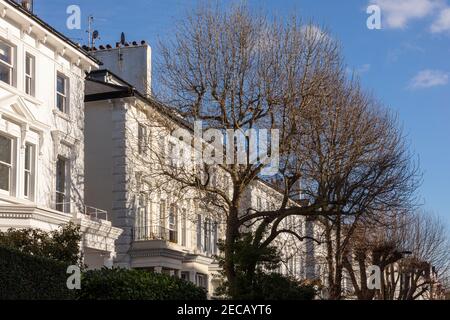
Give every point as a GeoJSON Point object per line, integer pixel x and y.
{"type": "Point", "coordinates": [159, 229]}
{"type": "Point", "coordinates": [41, 133]}
{"type": "Point", "coordinates": [164, 231]}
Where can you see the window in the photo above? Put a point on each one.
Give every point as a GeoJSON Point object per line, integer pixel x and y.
{"type": "Point", "coordinates": [5, 163]}
{"type": "Point", "coordinates": [141, 219]}
{"type": "Point", "coordinates": [173, 224]}
{"type": "Point", "coordinates": [142, 139]}
{"type": "Point", "coordinates": [6, 62]}
{"type": "Point", "coordinates": [162, 218]}
{"type": "Point", "coordinates": [201, 280]}
{"type": "Point", "coordinates": [183, 227]}
{"type": "Point", "coordinates": [215, 237]}
{"type": "Point", "coordinates": [199, 232]}
{"type": "Point", "coordinates": [29, 74]}
{"type": "Point", "coordinates": [28, 171]}
{"type": "Point", "coordinates": [258, 204]}
{"type": "Point", "coordinates": [172, 154]}
{"type": "Point", "coordinates": [207, 235]}
{"type": "Point", "coordinates": [61, 187]}
{"type": "Point", "coordinates": [61, 92]}
{"type": "Point", "coordinates": [184, 275]}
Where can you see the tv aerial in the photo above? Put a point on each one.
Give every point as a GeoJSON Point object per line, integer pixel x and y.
{"type": "Point", "coordinates": [93, 35]}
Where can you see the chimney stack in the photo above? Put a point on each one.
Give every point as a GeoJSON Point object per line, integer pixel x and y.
{"type": "Point", "coordinates": [129, 60]}
{"type": "Point", "coordinates": [27, 5]}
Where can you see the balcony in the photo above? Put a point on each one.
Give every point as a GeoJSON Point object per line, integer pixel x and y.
{"type": "Point", "coordinates": [155, 233]}
{"type": "Point", "coordinates": [91, 212]}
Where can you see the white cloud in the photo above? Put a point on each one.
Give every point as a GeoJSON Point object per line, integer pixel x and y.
{"type": "Point", "coordinates": [363, 69]}
{"type": "Point", "coordinates": [429, 78]}
{"type": "Point", "coordinates": [397, 13]}
{"type": "Point", "coordinates": [359, 70]}
{"type": "Point", "coordinates": [442, 23]}
{"type": "Point", "coordinates": [315, 32]}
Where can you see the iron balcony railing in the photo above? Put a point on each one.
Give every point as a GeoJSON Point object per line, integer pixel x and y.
{"type": "Point", "coordinates": [92, 212]}
{"type": "Point", "coordinates": [155, 233]}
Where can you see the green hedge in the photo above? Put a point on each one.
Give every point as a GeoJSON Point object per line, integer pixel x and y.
{"type": "Point", "coordinates": [27, 277]}
{"type": "Point", "coordinates": [123, 284]}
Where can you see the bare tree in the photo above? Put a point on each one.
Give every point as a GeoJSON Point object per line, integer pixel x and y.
{"type": "Point", "coordinates": [420, 274]}
{"type": "Point", "coordinates": [412, 252]}
{"type": "Point", "coordinates": [339, 150]}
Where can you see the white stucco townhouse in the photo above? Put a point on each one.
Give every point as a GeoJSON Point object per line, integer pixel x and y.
{"type": "Point", "coordinates": [42, 132]}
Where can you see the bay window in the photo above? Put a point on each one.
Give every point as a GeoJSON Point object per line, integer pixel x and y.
{"type": "Point", "coordinates": [162, 219]}
{"type": "Point", "coordinates": [61, 185]}
{"type": "Point", "coordinates": [207, 235]}
{"type": "Point", "coordinates": [183, 227]}
{"type": "Point", "coordinates": [141, 219]}
{"type": "Point", "coordinates": [173, 224]}
{"type": "Point", "coordinates": [28, 171]}
{"type": "Point", "coordinates": [6, 62]}
{"type": "Point", "coordinates": [6, 158]}
{"type": "Point", "coordinates": [199, 232]}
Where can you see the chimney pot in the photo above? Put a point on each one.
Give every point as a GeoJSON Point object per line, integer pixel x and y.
{"type": "Point", "coordinates": [27, 5]}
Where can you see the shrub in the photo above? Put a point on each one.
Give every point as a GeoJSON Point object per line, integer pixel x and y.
{"type": "Point", "coordinates": [275, 286]}
{"type": "Point", "coordinates": [60, 245]}
{"type": "Point", "coordinates": [27, 277]}
{"type": "Point", "coordinates": [124, 284]}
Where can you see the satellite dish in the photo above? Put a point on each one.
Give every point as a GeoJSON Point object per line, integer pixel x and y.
{"type": "Point", "coordinates": [122, 38]}
{"type": "Point", "coordinates": [95, 34]}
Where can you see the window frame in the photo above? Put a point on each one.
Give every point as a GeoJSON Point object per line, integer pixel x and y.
{"type": "Point", "coordinates": [11, 66]}
{"type": "Point", "coordinates": [28, 191]}
{"type": "Point", "coordinates": [199, 232]}
{"type": "Point", "coordinates": [64, 95]}
{"type": "Point", "coordinates": [30, 77]}
{"type": "Point", "coordinates": [61, 205]}
{"type": "Point", "coordinates": [9, 166]}
{"type": "Point", "coordinates": [142, 139]}
{"type": "Point", "coordinates": [201, 280]}
{"type": "Point", "coordinates": [184, 227]}
{"type": "Point", "coordinates": [173, 223]}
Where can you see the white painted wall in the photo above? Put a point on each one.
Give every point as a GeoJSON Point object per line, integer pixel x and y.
{"type": "Point", "coordinates": [35, 120]}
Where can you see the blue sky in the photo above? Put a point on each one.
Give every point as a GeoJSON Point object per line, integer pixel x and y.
{"type": "Point", "coordinates": [406, 64]}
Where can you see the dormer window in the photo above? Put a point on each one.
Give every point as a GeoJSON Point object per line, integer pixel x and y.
{"type": "Point", "coordinates": [6, 62]}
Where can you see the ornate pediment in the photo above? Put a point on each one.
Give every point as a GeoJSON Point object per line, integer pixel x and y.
{"type": "Point", "coordinates": [15, 108]}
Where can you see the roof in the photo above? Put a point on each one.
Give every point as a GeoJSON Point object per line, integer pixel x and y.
{"type": "Point", "coordinates": [52, 30]}
{"type": "Point", "coordinates": [125, 89]}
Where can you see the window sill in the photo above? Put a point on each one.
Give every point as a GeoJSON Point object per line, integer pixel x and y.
{"type": "Point", "coordinates": [7, 197]}
{"type": "Point", "coordinates": [61, 114]}
{"type": "Point", "coordinates": [20, 93]}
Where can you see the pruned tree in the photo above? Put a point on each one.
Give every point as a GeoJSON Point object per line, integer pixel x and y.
{"type": "Point", "coordinates": [412, 252]}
